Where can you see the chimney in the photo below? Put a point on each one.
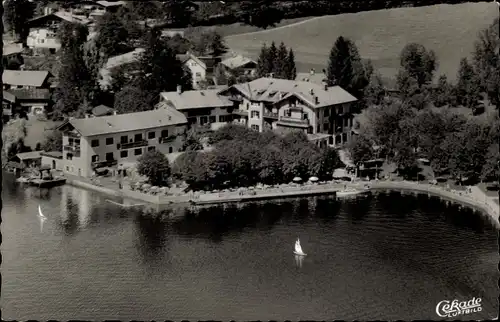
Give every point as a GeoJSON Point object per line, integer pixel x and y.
{"type": "Point", "coordinates": [325, 86]}
{"type": "Point", "coordinates": [316, 100]}
{"type": "Point", "coordinates": [312, 71]}
{"type": "Point", "coordinates": [179, 89]}
{"type": "Point", "coordinates": [324, 71]}
{"type": "Point", "coordinates": [311, 91]}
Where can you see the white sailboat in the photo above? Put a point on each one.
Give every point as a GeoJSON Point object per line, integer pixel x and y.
{"type": "Point", "coordinates": [298, 249]}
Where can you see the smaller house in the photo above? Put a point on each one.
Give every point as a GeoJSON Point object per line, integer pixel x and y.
{"type": "Point", "coordinates": [101, 110]}
{"type": "Point", "coordinates": [199, 107]}
{"type": "Point", "coordinates": [127, 59]}
{"type": "Point", "coordinates": [239, 62]}
{"type": "Point", "coordinates": [42, 30]}
{"type": "Point", "coordinates": [30, 102]}
{"type": "Point", "coordinates": [28, 159]}
{"type": "Point", "coordinates": [202, 68]}
{"type": "Point", "coordinates": [25, 79]}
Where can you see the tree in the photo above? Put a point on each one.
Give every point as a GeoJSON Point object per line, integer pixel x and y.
{"type": "Point", "coordinates": [192, 141]}
{"type": "Point", "coordinates": [178, 12]}
{"type": "Point", "coordinates": [220, 75]}
{"type": "Point", "coordinates": [160, 70]}
{"type": "Point", "coordinates": [443, 95]}
{"type": "Point", "coordinates": [340, 70]}
{"type": "Point", "coordinates": [290, 69]}
{"type": "Point", "coordinates": [155, 166]}
{"type": "Point", "coordinates": [260, 13]}
{"type": "Point", "coordinates": [75, 85]}
{"type": "Point", "coordinates": [491, 169]}
{"type": "Point", "coordinates": [467, 88]}
{"type": "Point", "coordinates": [413, 94]}
{"type": "Point", "coordinates": [280, 61]}
{"type": "Point", "coordinates": [13, 136]}
{"type": "Point", "coordinates": [264, 65]}
{"type": "Point", "coordinates": [206, 42]}
{"type": "Point", "coordinates": [53, 141]}
{"type": "Point", "coordinates": [418, 62]}
{"type": "Point", "coordinates": [112, 36]}
{"type": "Point", "coordinates": [133, 99]}
{"type": "Point", "coordinates": [144, 9]}
{"type": "Point", "coordinates": [360, 149]}
{"type": "Point", "coordinates": [16, 15]}
{"type": "Point", "coordinates": [374, 93]}
{"type": "Point", "coordinates": [487, 62]}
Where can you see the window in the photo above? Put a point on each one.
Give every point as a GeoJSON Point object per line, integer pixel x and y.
{"type": "Point", "coordinates": [170, 150]}
{"type": "Point", "coordinates": [69, 156]}
{"type": "Point", "coordinates": [95, 158]}
{"type": "Point", "coordinates": [67, 168]}
{"type": "Point", "coordinates": [151, 135]}
{"type": "Point", "coordinates": [255, 127]}
{"type": "Point", "coordinates": [164, 133]}
{"type": "Point", "coordinates": [203, 120]}
{"type": "Point", "coordinates": [223, 118]}
{"type": "Point", "coordinates": [212, 119]}
{"type": "Point", "coordinates": [109, 141]}
{"type": "Point", "coordinates": [94, 143]}
{"type": "Point", "coordinates": [124, 154]}
{"type": "Point", "coordinates": [138, 137]}
{"type": "Point", "coordinates": [137, 151]}
{"type": "Point", "coordinates": [327, 112]}
{"type": "Point", "coordinates": [325, 127]}
{"type": "Point", "coordinates": [124, 139]}
{"type": "Point", "coordinates": [109, 156]}
{"type": "Point", "coordinates": [198, 74]}
{"type": "Point", "coordinates": [255, 114]}
{"type": "Point", "coordinates": [151, 148]}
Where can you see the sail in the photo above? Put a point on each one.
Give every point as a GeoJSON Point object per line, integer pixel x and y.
{"type": "Point", "coordinates": [40, 212]}
{"type": "Point", "coordinates": [298, 248]}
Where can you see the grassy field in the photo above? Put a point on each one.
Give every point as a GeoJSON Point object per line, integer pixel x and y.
{"type": "Point", "coordinates": [239, 28]}
{"type": "Point", "coordinates": [449, 30]}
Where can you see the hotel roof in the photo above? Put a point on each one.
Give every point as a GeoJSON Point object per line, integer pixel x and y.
{"type": "Point", "coordinates": [196, 99]}
{"type": "Point", "coordinates": [274, 90]}
{"type": "Point", "coordinates": [126, 122]}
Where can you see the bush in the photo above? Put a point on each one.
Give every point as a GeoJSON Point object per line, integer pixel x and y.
{"type": "Point", "coordinates": [155, 166]}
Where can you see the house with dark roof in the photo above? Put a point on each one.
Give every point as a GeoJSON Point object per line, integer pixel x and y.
{"type": "Point", "coordinates": [288, 105]}
{"type": "Point", "coordinates": [201, 107]}
{"type": "Point", "coordinates": [43, 30]}
{"type": "Point", "coordinates": [30, 102]}
{"type": "Point", "coordinates": [97, 142]}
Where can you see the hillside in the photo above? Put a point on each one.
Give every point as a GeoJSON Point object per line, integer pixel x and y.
{"type": "Point", "coordinates": [450, 30]}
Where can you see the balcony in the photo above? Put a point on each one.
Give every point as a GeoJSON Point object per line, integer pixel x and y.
{"type": "Point", "coordinates": [240, 112]}
{"type": "Point", "coordinates": [131, 145]}
{"type": "Point", "coordinates": [71, 148]}
{"type": "Point", "coordinates": [293, 122]}
{"type": "Point", "coordinates": [102, 164]}
{"type": "Point", "coordinates": [72, 135]}
{"type": "Point", "coordinates": [167, 139]}
{"type": "Point", "coordinates": [270, 115]}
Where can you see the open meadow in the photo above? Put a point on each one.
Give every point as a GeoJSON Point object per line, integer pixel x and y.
{"type": "Point", "coordinates": [449, 30]}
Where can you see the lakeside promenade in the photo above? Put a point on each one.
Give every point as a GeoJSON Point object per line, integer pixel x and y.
{"type": "Point", "coordinates": [475, 199]}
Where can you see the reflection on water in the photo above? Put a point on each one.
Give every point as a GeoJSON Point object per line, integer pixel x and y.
{"type": "Point", "coordinates": [385, 256]}
{"type": "Point", "coordinates": [299, 260]}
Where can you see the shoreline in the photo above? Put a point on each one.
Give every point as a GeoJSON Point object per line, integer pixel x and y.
{"type": "Point", "coordinates": [486, 207]}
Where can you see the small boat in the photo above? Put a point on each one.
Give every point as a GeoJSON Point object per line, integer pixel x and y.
{"type": "Point", "coordinates": [24, 179]}
{"type": "Point", "coordinates": [47, 183]}
{"type": "Point", "coordinates": [298, 249]}
{"type": "Point", "coordinates": [348, 193]}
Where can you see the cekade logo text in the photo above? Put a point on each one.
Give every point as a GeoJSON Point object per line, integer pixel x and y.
{"type": "Point", "coordinates": [449, 309]}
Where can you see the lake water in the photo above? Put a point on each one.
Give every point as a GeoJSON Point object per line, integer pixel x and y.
{"type": "Point", "coordinates": [385, 256]}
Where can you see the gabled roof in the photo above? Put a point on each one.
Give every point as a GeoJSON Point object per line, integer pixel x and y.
{"type": "Point", "coordinates": [126, 58]}
{"type": "Point", "coordinates": [110, 3]}
{"type": "Point", "coordinates": [237, 62]}
{"type": "Point", "coordinates": [126, 122]}
{"type": "Point", "coordinates": [30, 94]}
{"type": "Point", "coordinates": [274, 90]}
{"type": "Point", "coordinates": [9, 49]}
{"type": "Point", "coordinates": [29, 155]}
{"type": "Point", "coordinates": [196, 99]}
{"type": "Point", "coordinates": [9, 97]}
{"type": "Point", "coordinates": [207, 62]}
{"type": "Point", "coordinates": [25, 77]}
{"type": "Point", "coordinates": [61, 15]}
